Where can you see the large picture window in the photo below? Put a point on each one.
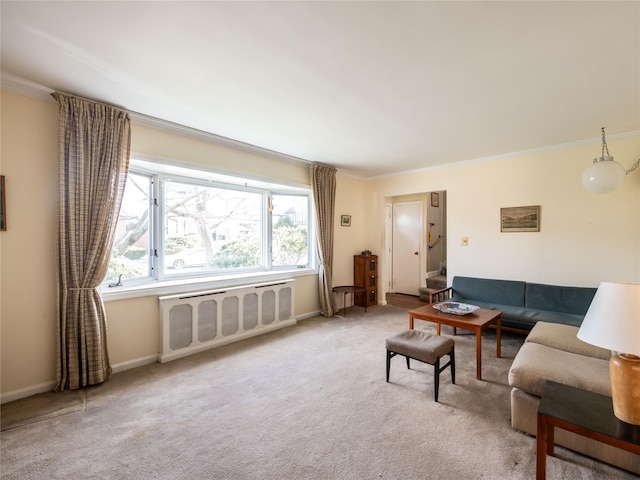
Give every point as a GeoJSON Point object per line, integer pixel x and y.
{"type": "Point", "coordinates": [179, 223]}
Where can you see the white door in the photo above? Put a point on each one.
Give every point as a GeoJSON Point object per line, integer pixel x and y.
{"type": "Point", "coordinates": [407, 240]}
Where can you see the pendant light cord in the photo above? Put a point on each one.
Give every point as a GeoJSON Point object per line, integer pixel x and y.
{"type": "Point", "coordinates": [605, 148]}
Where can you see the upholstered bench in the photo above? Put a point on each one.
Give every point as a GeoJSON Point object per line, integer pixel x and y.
{"type": "Point", "coordinates": [425, 348]}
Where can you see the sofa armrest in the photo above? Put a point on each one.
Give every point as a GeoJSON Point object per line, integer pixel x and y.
{"type": "Point", "coordinates": [441, 295]}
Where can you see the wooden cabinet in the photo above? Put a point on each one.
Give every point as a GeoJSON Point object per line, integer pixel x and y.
{"type": "Point", "coordinates": [365, 274]}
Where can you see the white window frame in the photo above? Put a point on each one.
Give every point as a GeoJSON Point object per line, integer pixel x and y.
{"type": "Point", "coordinates": [159, 282]}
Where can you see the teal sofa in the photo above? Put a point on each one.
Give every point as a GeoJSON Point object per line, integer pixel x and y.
{"type": "Point", "coordinates": [522, 304]}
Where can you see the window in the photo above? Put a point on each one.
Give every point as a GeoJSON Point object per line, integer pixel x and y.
{"type": "Point", "coordinates": [179, 223]}
{"type": "Point", "coordinates": [290, 230]}
{"type": "Point", "coordinates": [130, 259]}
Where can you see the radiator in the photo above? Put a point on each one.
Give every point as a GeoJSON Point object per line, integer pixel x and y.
{"type": "Point", "coordinates": [199, 321]}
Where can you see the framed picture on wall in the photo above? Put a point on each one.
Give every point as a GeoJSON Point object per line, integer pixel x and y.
{"type": "Point", "coordinates": [435, 199]}
{"type": "Point", "coordinates": [345, 220]}
{"type": "Point", "coordinates": [520, 219]}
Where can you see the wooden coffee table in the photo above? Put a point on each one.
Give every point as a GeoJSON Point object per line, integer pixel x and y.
{"type": "Point", "coordinates": [476, 321]}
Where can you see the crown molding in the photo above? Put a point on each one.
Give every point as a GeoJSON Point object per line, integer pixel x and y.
{"type": "Point", "coordinates": [19, 85]}
{"type": "Point", "coordinates": [522, 153]}
{"type": "Point", "coordinates": [183, 130]}
{"type": "Point", "coordinates": [27, 88]}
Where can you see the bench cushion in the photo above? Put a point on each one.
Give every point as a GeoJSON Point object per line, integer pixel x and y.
{"type": "Point", "coordinates": [420, 345]}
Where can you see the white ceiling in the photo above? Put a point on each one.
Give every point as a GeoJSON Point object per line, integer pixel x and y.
{"type": "Point", "coordinates": [372, 88]}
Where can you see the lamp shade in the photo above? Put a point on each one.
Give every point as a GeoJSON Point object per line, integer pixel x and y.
{"type": "Point", "coordinates": [604, 175]}
{"type": "Point", "coordinates": [613, 318]}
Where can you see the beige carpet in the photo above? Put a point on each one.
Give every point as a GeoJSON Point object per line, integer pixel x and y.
{"type": "Point", "coordinates": [306, 402]}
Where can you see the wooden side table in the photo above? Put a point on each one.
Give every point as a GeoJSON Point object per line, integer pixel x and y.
{"type": "Point", "coordinates": [584, 413]}
{"type": "Point", "coordinates": [346, 289]}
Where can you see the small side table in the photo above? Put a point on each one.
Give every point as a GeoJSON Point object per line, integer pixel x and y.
{"type": "Point", "coordinates": [584, 413]}
{"type": "Point", "coordinates": [346, 289]}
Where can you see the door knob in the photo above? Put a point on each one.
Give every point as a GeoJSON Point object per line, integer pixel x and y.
{"type": "Point", "coordinates": [415, 253]}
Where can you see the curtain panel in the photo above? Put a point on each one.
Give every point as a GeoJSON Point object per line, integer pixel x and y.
{"type": "Point", "coordinates": [94, 149]}
{"type": "Point", "coordinates": [323, 183]}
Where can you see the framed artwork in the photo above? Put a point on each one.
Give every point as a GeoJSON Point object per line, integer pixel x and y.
{"type": "Point", "coordinates": [520, 219]}
{"type": "Point", "coordinates": [3, 207]}
{"type": "Point", "coordinates": [435, 199]}
{"type": "Point", "coordinates": [345, 220]}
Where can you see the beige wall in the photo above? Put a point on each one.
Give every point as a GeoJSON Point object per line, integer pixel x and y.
{"type": "Point", "coordinates": [27, 256]}
{"type": "Point", "coordinates": [349, 241]}
{"type": "Point", "coordinates": [584, 238]}
{"type": "Point", "coordinates": [27, 248]}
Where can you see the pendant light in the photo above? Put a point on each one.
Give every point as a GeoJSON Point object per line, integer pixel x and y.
{"type": "Point", "coordinates": [605, 174]}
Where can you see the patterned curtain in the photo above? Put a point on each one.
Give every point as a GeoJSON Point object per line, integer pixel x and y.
{"type": "Point", "coordinates": [323, 183]}
{"type": "Point", "coordinates": [94, 160]}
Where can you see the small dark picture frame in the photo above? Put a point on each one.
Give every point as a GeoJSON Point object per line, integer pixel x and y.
{"type": "Point", "coordinates": [3, 206]}
{"type": "Point", "coordinates": [435, 199]}
{"type": "Point", "coordinates": [345, 220]}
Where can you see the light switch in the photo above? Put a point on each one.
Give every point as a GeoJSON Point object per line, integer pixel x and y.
{"type": "Point", "coordinates": [464, 241]}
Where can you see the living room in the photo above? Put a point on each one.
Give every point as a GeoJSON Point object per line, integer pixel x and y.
{"type": "Point", "coordinates": [583, 239]}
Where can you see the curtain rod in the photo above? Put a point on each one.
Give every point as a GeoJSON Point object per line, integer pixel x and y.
{"type": "Point", "coordinates": [173, 127]}
{"type": "Point", "coordinates": [86, 99]}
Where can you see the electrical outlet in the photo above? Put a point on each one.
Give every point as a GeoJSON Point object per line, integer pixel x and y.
{"type": "Point", "coordinates": [464, 241]}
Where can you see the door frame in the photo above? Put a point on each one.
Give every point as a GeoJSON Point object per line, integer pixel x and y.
{"type": "Point", "coordinates": [388, 237]}
{"type": "Point", "coordinates": [422, 244]}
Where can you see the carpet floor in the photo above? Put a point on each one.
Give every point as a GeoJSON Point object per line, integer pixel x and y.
{"type": "Point", "coordinates": [306, 402]}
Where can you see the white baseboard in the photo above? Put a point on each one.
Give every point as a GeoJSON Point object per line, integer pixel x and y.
{"type": "Point", "coordinates": [27, 392]}
{"type": "Point", "coordinates": [117, 368]}
{"type": "Point", "coordinates": [308, 315]}
{"type": "Point", "coordinates": [50, 386]}
{"type": "Point", "coordinates": [139, 362]}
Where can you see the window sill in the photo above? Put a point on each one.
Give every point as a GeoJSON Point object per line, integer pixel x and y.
{"type": "Point", "coordinates": [173, 287]}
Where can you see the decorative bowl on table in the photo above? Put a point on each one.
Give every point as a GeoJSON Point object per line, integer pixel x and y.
{"type": "Point", "coordinates": [455, 308]}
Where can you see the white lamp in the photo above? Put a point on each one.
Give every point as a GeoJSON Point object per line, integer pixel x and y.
{"type": "Point", "coordinates": [605, 174]}
{"type": "Point", "coordinates": [613, 322]}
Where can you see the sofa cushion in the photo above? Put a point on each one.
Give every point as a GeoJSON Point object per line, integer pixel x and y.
{"type": "Point", "coordinates": [536, 363]}
{"type": "Point", "coordinates": [520, 317]}
{"type": "Point", "coordinates": [532, 316]}
{"type": "Point", "coordinates": [564, 337]}
{"type": "Point", "coordinates": [505, 292]}
{"type": "Point", "coordinates": [555, 298]}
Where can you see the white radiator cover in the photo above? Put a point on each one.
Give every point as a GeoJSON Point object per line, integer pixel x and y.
{"type": "Point", "coordinates": [198, 321]}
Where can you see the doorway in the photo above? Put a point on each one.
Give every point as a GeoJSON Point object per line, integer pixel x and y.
{"type": "Point", "coordinates": [407, 247]}
{"type": "Point", "coordinates": [416, 236]}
